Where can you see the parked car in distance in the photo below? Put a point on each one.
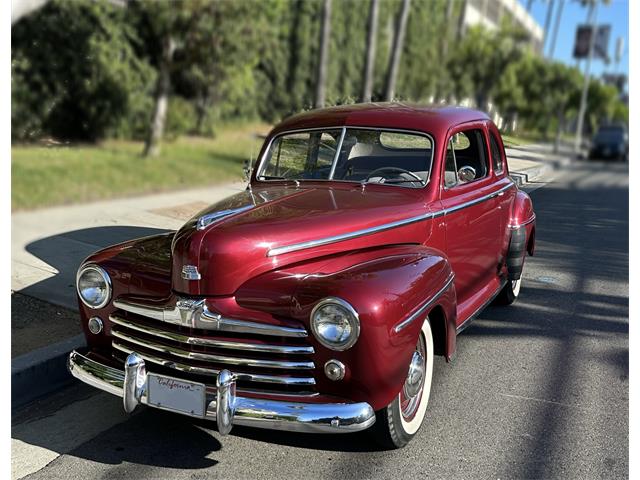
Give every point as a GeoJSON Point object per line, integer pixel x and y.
{"type": "Point", "coordinates": [610, 142]}
{"type": "Point", "coordinates": [368, 237]}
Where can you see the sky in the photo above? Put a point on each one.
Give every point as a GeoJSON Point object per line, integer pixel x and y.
{"type": "Point", "coordinates": [616, 14]}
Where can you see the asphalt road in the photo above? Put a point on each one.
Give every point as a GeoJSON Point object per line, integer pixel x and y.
{"type": "Point", "coordinates": [538, 389]}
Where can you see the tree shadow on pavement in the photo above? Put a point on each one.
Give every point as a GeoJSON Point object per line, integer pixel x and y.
{"type": "Point", "coordinates": [65, 252]}
{"type": "Point", "coordinates": [576, 316]}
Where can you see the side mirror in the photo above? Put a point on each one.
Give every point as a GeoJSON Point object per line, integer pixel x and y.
{"type": "Point", "coordinates": [466, 174]}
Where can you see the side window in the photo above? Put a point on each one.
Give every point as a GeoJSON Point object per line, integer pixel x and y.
{"type": "Point", "coordinates": [496, 155]}
{"type": "Point", "coordinates": [466, 158]}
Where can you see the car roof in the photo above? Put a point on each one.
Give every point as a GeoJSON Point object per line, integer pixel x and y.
{"type": "Point", "coordinates": [434, 119]}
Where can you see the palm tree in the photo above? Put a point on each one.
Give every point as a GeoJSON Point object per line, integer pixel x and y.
{"type": "Point", "coordinates": [372, 31]}
{"type": "Point", "coordinates": [325, 33]}
{"type": "Point", "coordinates": [396, 51]}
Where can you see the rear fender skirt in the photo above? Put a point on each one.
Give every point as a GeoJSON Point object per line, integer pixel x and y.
{"type": "Point", "coordinates": [515, 254]}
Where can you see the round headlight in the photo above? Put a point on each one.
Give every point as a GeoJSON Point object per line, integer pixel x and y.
{"type": "Point", "coordinates": [94, 286]}
{"type": "Point", "coordinates": [335, 323]}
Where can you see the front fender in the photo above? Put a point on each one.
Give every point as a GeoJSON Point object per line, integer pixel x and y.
{"type": "Point", "coordinates": [386, 287]}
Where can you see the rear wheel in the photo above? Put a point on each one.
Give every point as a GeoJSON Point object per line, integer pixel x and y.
{"type": "Point", "coordinates": [398, 423]}
{"type": "Point", "coordinates": [510, 291]}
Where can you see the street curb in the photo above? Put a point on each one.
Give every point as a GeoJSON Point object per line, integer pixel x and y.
{"type": "Point", "coordinates": [42, 371]}
{"type": "Point", "coordinates": [528, 175]}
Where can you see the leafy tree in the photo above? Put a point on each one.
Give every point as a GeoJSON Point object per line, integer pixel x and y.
{"type": "Point", "coordinates": [480, 58]}
{"type": "Point", "coordinates": [75, 74]}
{"type": "Point", "coordinates": [553, 85]}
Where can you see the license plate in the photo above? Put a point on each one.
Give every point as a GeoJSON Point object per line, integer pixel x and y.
{"type": "Point", "coordinates": [175, 394]}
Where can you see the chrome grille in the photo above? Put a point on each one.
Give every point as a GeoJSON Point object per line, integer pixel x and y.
{"type": "Point", "coordinates": [261, 361]}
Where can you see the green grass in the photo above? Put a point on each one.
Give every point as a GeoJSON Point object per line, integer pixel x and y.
{"type": "Point", "coordinates": [44, 176]}
{"type": "Point", "coordinates": [517, 140]}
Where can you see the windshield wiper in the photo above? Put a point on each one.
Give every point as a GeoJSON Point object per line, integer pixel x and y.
{"type": "Point", "coordinates": [421, 182]}
{"type": "Point", "coordinates": [272, 177]}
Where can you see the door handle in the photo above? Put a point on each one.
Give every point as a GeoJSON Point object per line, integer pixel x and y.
{"type": "Point", "coordinates": [500, 194]}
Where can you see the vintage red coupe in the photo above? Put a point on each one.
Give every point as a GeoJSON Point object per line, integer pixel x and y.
{"type": "Point", "coordinates": [368, 237]}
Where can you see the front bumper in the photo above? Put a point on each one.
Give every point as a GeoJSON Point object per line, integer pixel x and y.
{"type": "Point", "coordinates": [223, 405]}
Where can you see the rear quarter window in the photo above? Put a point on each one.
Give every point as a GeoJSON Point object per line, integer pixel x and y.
{"type": "Point", "coordinates": [497, 158]}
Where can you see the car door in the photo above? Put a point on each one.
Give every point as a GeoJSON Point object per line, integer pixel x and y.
{"type": "Point", "coordinates": [472, 220]}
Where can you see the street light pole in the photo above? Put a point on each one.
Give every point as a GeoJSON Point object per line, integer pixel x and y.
{"type": "Point", "coordinates": [592, 17]}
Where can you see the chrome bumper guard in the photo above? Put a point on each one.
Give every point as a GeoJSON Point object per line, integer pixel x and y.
{"type": "Point", "coordinates": [225, 406]}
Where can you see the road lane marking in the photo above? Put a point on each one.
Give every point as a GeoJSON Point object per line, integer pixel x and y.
{"type": "Point", "coordinates": [36, 443]}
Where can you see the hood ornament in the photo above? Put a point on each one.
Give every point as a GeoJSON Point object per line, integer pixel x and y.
{"type": "Point", "coordinates": [208, 219]}
{"type": "Point", "coordinates": [190, 272]}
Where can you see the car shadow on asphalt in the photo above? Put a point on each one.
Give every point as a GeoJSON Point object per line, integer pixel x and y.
{"type": "Point", "coordinates": [154, 438]}
{"type": "Point", "coordinates": [66, 251]}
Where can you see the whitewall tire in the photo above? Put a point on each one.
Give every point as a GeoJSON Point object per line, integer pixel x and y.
{"type": "Point", "coordinates": [510, 291]}
{"type": "Point", "coordinates": [398, 423]}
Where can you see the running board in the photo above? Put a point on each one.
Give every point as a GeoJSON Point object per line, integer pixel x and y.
{"type": "Point", "coordinates": [479, 310]}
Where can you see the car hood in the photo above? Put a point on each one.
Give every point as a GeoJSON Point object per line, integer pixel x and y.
{"type": "Point", "coordinates": [232, 241]}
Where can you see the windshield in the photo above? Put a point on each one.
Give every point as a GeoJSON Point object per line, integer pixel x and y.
{"type": "Point", "coordinates": [365, 155]}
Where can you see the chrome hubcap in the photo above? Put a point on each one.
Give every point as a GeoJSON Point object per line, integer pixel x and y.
{"type": "Point", "coordinates": [411, 393]}
{"type": "Point", "coordinates": [416, 373]}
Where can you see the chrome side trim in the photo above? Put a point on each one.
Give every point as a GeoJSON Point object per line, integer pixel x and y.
{"type": "Point", "coordinates": [476, 201]}
{"type": "Point", "coordinates": [212, 342]}
{"type": "Point", "coordinates": [418, 313]}
{"type": "Point", "coordinates": [195, 314]}
{"type": "Point", "coordinates": [346, 236]}
{"type": "Point", "coordinates": [527, 222]}
{"type": "Point", "coordinates": [212, 372]}
{"type": "Point", "coordinates": [210, 357]}
{"type": "Point", "coordinates": [381, 228]}
{"type": "Point", "coordinates": [208, 219]}
{"type": "Point", "coordinates": [252, 412]}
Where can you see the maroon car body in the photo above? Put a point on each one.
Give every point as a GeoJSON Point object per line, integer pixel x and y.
{"type": "Point", "coordinates": [267, 256]}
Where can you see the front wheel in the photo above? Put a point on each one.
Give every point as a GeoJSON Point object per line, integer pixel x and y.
{"type": "Point", "coordinates": [398, 423]}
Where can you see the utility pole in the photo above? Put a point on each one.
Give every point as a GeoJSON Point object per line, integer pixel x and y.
{"type": "Point", "coordinates": [552, 47]}
{"type": "Point", "coordinates": [529, 5]}
{"type": "Point", "coordinates": [591, 20]}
